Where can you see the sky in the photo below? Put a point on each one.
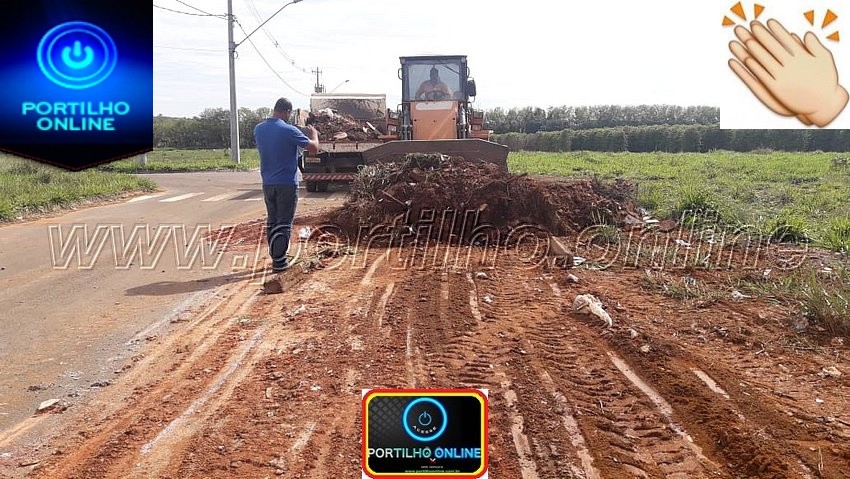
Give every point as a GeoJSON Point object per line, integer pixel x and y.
{"type": "Point", "coordinates": [526, 53]}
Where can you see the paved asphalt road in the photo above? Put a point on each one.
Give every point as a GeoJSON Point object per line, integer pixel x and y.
{"type": "Point", "coordinates": [69, 320]}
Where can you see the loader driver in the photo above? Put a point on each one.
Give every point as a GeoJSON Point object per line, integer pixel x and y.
{"type": "Point", "coordinates": [433, 88]}
{"type": "Point", "coordinates": [278, 143]}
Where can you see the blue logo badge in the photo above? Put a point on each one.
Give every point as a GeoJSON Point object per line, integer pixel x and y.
{"type": "Point", "coordinates": [77, 55]}
{"type": "Point", "coordinates": [425, 419]}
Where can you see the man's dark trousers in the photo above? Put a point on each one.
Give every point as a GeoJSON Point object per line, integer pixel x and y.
{"type": "Point", "coordinates": [281, 201]}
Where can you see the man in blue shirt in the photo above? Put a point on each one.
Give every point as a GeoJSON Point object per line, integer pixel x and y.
{"type": "Point", "coordinates": [278, 143]}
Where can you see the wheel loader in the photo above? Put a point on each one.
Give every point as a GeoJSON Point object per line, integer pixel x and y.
{"type": "Point", "coordinates": [435, 116]}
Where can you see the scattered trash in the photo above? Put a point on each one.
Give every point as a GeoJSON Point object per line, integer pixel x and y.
{"type": "Point", "coordinates": [488, 299]}
{"type": "Point", "coordinates": [305, 232]}
{"type": "Point", "coordinates": [633, 334]}
{"type": "Point", "coordinates": [268, 393]}
{"type": "Point", "coordinates": [683, 243]}
{"type": "Point", "coordinates": [645, 349]}
{"type": "Point", "coordinates": [316, 388]}
{"type": "Point", "coordinates": [578, 261]}
{"type": "Point", "coordinates": [572, 279]}
{"type": "Point", "coordinates": [481, 275]}
{"type": "Point", "coordinates": [832, 372]}
{"type": "Point", "coordinates": [589, 305]}
{"type": "Point", "coordinates": [299, 310]}
{"type": "Point", "coordinates": [800, 323]}
{"type": "Point", "coordinates": [737, 295]}
{"type": "Point", "coordinates": [49, 405]}
{"type": "Point", "coordinates": [819, 401]}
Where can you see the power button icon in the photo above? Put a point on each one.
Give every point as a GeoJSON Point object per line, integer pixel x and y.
{"type": "Point", "coordinates": [77, 55]}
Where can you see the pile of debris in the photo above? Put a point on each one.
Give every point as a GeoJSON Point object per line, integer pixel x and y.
{"type": "Point", "coordinates": [333, 126]}
{"type": "Point", "coordinates": [450, 198]}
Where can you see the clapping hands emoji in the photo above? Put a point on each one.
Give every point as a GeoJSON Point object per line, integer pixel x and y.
{"type": "Point", "coordinates": [791, 76]}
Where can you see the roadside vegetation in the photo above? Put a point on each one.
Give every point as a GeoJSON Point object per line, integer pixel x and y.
{"type": "Point", "coordinates": [795, 197]}
{"type": "Point", "coordinates": [172, 161]}
{"type": "Point", "coordinates": [28, 187]}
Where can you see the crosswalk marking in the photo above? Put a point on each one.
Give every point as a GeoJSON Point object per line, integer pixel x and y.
{"type": "Point", "coordinates": [219, 197]}
{"type": "Point", "coordinates": [254, 199]}
{"type": "Point", "coordinates": [145, 197]}
{"type": "Point", "coordinates": [180, 198]}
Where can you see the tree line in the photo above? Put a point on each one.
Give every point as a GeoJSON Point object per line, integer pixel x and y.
{"type": "Point", "coordinates": [209, 130]}
{"type": "Point", "coordinates": [533, 120]}
{"type": "Point", "coordinates": [643, 128]}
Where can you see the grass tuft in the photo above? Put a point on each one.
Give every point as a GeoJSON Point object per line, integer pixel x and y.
{"type": "Point", "coordinates": [28, 187]}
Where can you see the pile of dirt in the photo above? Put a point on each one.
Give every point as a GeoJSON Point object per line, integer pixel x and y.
{"type": "Point", "coordinates": [447, 198]}
{"type": "Point", "coordinates": [333, 126]}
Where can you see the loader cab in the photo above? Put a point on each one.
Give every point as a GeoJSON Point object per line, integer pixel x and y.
{"type": "Point", "coordinates": [436, 92]}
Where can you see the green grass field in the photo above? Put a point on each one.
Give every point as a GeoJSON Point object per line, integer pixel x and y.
{"type": "Point", "coordinates": [27, 187]}
{"type": "Point", "coordinates": [165, 160]}
{"type": "Point", "coordinates": [809, 193]}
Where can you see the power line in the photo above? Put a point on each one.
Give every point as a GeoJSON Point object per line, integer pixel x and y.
{"type": "Point", "coordinates": [198, 9]}
{"type": "Point", "coordinates": [188, 13]}
{"type": "Point", "coordinates": [267, 62]}
{"type": "Point", "coordinates": [253, 8]}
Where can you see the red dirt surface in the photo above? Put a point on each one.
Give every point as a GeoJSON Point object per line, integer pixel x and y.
{"type": "Point", "coordinates": [691, 381]}
{"type": "Point", "coordinates": [253, 386]}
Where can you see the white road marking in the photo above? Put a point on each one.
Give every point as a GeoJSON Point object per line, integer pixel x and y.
{"type": "Point", "coordinates": [145, 197]}
{"type": "Point", "coordinates": [254, 199]}
{"type": "Point", "coordinates": [180, 198]}
{"type": "Point", "coordinates": [219, 197]}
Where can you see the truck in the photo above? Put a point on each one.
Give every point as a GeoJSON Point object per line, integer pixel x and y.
{"type": "Point", "coordinates": [435, 116]}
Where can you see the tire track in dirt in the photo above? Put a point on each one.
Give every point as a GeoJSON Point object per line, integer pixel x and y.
{"type": "Point", "coordinates": [744, 428]}
{"type": "Point", "coordinates": [155, 401]}
{"type": "Point", "coordinates": [735, 417]}
{"type": "Point", "coordinates": [314, 427]}
{"type": "Point", "coordinates": [466, 349]}
{"type": "Point", "coordinates": [626, 432]}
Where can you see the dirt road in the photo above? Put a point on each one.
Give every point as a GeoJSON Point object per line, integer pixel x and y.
{"type": "Point", "coordinates": [250, 385]}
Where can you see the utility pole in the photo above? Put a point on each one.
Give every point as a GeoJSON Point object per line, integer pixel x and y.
{"type": "Point", "coordinates": [231, 48]}
{"type": "Point", "coordinates": [319, 88]}
{"type": "Point", "coordinates": [234, 113]}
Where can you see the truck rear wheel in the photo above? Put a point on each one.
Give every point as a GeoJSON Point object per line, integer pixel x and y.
{"type": "Point", "coordinates": [322, 186]}
{"type": "Point", "coordinates": [312, 186]}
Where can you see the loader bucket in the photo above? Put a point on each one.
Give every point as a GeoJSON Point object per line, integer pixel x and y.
{"type": "Point", "coordinates": [471, 149]}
